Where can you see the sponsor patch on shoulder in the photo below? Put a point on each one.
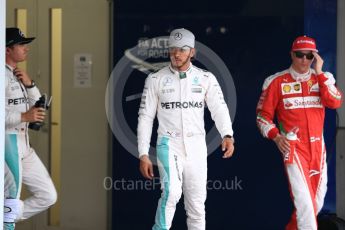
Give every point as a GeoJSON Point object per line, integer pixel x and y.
{"type": "Point", "coordinates": [16, 87]}
{"type": "Point", "coordinates": [314, 88]}
{"type": "Point", "coordinates": [196, 80]}
{"type": "Point", "coordinates": [196, 90]}
{"type": "Point", "coordinates": [164, 91]}
{"type": "Point", "coordinates": [302, 102]}
{"type": "Point", "coordinates": [291, 88]}
{"type": "Point", "coordinates": [167, 81]}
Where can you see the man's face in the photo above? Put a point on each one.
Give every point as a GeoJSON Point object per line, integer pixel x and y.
{"type": "Point", "coordinates": [180, 57]}
{"type": "Point", "coordinates": [17, 53]}
{"type": "Point", "coordinates": [302, 60]}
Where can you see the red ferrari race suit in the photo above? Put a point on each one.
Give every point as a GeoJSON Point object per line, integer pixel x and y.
{"type": "Point", "coordinates": [299, 101]}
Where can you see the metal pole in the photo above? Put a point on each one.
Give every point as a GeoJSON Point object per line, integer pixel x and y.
{"type": "Point", "coordinates": [2, 104]}
{"type": "Point", "coordinates": [340, 161]}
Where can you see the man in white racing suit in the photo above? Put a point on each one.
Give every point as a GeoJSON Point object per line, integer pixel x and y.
{"type": "Point", "coordinates": [178, 94]}
{"type": "Point", "coordinates": [22, 165]}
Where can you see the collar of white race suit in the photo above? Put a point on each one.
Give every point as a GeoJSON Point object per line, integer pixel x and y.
{"type": "Point", "coordinates": [178, 73]}
{"type": "Point", "coordinates": [298, 76]}
{"type": "Point", "coordinates": [9, 67]}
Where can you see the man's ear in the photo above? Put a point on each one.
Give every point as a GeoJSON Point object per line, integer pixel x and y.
{"type": "Point", "coordinates": [292, 54]}
{"type": "Point", "coordinates": [192, 52]}
{"type": "Point", "coordinates": [8, 50]}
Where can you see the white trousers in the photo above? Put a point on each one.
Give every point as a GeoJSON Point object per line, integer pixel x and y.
{"type": "Point", "coordinates": [182, 171]}
{"type": "Point", "coordinates": [24, 166]}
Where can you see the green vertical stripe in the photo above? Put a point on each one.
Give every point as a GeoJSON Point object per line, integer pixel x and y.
{"type": "Point", "coordinates": [12, 160]}
{"type": "Point", "coordinates": [281, 128]}
{"type": "Point", "coordinates": [9, 226]}
{"type": "Point", "coordinates": [163, 157]}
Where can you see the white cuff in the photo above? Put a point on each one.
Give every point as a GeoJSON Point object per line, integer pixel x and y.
{"type": "Point", "coordinates": [330, 79]}
{"type": "Point", "coordinates": [13, 210]}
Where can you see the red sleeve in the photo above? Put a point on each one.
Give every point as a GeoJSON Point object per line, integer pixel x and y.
{"type": "Point", "coordinates": [266, 107]}
{"type": "Point", "coordinates": [331, 97]}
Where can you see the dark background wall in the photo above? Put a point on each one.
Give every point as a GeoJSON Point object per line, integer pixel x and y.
{"type": "Point", "coordinates": [321, 23]}
{"type": "Point", "coordinates": [256, 44]}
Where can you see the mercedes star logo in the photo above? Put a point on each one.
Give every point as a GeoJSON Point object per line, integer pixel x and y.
{"type": "Point", "coordinates": [178, 36]}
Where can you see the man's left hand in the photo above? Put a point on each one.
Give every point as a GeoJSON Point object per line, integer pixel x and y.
{"type": "Point", "coordinates": [318, 63]}
{"type": "Point", "coordinates": [228, 147]}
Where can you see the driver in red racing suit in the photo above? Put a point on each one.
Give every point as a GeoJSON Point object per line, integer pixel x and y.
{"type": "Point", "coordinates": [298, 97]}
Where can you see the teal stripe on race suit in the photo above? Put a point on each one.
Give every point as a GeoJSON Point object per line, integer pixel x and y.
{"type": "Point", "coordinates": [163, 157]}
{"type": "Point", "coordinates": [12, 179]}
{"type": "Point", "coordinates": [12, 162]}
{"type": "Point", "coordinates": [9, 226]}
